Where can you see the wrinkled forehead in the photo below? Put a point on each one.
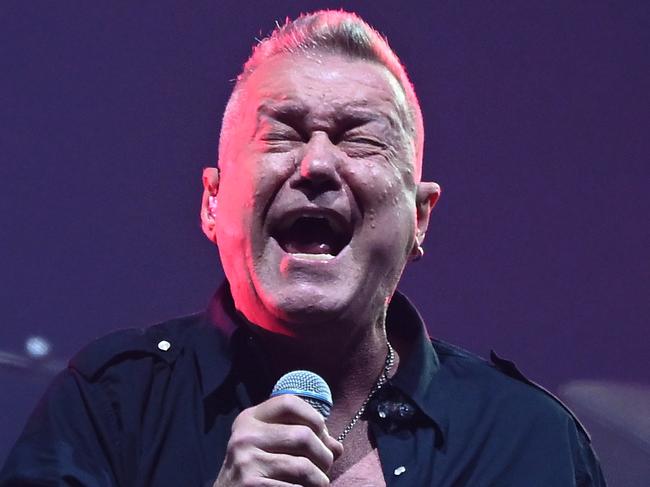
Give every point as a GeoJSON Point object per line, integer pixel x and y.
{"type": "Point", "coordinates": [330, 83]}
{"type": "Point", "coordinates": [337, 82]}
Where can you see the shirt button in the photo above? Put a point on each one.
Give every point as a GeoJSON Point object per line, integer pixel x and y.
{"type": "Point", "coordinates": [382, 410]}
{"type": "Point", "coordinates": [399, 470]}
{"type": "Point", "coordinates": [164, 345]}
{"type": "Point", "coordinates": [405, 411]}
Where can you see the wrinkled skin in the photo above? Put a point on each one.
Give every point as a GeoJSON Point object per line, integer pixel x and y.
{"type": "Point", "coordinates": [281, 442]}
{"type": "Point", "coordinates": [321, 131]}
{"type": "Point", "coordinates": [320, 135]}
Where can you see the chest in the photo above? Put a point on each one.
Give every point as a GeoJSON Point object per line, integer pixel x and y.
{"type": "Point", "coordinates": [412, 454]}
{"type": "Point", "coordinates": [365, 473]}
{"type": "Point", "coordinates": [360, 465]}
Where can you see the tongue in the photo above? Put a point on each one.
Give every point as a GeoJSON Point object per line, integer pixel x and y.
{"type": "Point", "coordinates": [295, 247]}
{"type": "Point", "coordinates": [309, 236]}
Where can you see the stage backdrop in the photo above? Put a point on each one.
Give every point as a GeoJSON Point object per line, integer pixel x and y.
{"type": "Point", "coordinates": [537, 123]}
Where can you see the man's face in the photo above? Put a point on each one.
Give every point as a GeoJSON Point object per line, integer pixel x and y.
{"type": "Point", "coordinates": [316, 211]}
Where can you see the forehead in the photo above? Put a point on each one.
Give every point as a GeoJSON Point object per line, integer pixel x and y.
{"type": "Point", "coordinates": [323, 82]}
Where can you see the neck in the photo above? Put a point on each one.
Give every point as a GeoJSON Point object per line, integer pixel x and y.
{"type": "Point", "coordinates": [350, 362]}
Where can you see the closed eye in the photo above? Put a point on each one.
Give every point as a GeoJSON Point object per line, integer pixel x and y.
{"type": "Point", "coordinates": [276, 132]}
{"type": "Point", "coordinates": [280, 139]}
{"type": "Point", "coordinates": [365, 140]}
{"type": "Point", "coordinates": [282, 136]}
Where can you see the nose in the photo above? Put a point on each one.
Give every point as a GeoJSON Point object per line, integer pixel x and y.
{"type": "Point", "coordinates": [319, 166]}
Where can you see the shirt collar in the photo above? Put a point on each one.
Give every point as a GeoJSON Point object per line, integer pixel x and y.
{"type": "Point", "coordinates": [418, 375]}
{"type": "Point", "coordinates": [213, 351]}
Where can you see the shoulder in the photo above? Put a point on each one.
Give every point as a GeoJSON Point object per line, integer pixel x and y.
{"type": "Point", "coordinates": [160, 343]}
{"type": "Point", "coordinates": [494, 403]}
{"type": "Point", "coordinates": [500, 383]}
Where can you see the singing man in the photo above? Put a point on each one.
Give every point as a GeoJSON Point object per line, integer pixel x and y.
{"type": "Point", "coordinates": [316, 207]}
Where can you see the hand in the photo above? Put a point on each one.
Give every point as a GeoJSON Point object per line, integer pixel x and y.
{"type": "Point", "coordinates": [280, 442]}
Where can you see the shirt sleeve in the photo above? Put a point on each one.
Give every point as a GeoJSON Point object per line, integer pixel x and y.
{"type": "Point", "coordinates": [66, 441]}
{"type": "Point", "coordinates": [587, 466]}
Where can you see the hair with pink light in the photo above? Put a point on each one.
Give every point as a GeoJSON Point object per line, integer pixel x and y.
{"type": "Point", "coordinates": [335, 32]}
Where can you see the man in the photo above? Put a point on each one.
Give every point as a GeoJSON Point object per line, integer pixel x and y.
{"type": "Point", "coordinates": [316, 208]}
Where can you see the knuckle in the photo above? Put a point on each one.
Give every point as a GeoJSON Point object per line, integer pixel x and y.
{"type": "Point", "coordinates": [303, 435]}
{"type": "Point", "coordinates": [242, 418]}
{"type": "Point", "coordinates": [236, 442]}
{"type": "Point", "coordinates": [320, 479]}
{"type": "Point", "coordinates": [242, 439]}
{"type": "Point", "coordinates": [329, 460]}
{"type": "Point", "coordinates": [250, 481]}
{"type": "Point", "coordinates": [303, 467]}
{"type": "Point", "coordinates": [240, 460]}
{"type": "Point", "coordinates": [289, 402]}
{"type": "Point", "coordinates": [318, 422]}
{"type": "Point", "coordinates": [311, 475]}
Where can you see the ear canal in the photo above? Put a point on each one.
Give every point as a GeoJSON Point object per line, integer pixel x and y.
{"type": "Point", "coordinates": [212, 207]}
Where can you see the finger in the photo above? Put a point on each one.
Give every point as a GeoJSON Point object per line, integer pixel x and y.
{"type": "Point", "coordinates": [273, 483]}
{"type": "Point", "coordinates": [293, 469]}
{"type": "Point", "coordinates": [252, 480]}
{"type": "Point", "coordinates": [296, 440]}
{"type": "Point", "coordinates": [332, 444]}
{"type": "Point", "coordinates": [289, 409]}
{"type": "Point", "coordinates": [335, 446]}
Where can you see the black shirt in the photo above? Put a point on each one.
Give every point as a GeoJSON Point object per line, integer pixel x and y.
{"type": "Point", "coordinates": [154, 407]}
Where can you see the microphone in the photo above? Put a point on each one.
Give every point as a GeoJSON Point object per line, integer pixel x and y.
{"type": "Point", "coordinates": [308, 386]}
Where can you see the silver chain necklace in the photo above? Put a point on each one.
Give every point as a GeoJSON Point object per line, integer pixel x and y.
{"type": "Point", "coordinates": [383, 378]}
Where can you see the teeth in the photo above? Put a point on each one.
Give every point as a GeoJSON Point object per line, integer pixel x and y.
{"type": "Point", "coordinates": [313, 256]}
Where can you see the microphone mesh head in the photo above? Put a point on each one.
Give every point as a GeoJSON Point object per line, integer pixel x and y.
{"type": "Point", "coordinates": [308, 386]}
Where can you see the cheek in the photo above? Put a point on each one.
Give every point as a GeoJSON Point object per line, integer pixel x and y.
{"type": "Point", "coordinates": [376, 186]}
{"type": "Point", "coordinates": [235, 203]}
{"type": "Point", "coordinates": [387, 203]}
{"type": "Point", "coordinates": [235, 198]}
{"type": "Point", "coordinates": [247, 188]}
{"type": "Point", "coordinates": [271, 171]}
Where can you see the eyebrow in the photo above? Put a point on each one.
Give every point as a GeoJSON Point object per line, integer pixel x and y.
{"type": "Point", "coordinates": [352, 115]}
{"type": "Point", "coordinates": [292, 108]}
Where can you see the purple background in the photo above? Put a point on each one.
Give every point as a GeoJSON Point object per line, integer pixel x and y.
{"type": "Point", "coordinates": [537, 117]}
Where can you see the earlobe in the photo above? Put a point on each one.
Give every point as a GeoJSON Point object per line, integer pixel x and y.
{"type": "Point", "coordinates": [425, 199]}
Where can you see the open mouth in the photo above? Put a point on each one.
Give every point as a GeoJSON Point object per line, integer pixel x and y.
{"type": "Point", "coordinates": [312, 235]}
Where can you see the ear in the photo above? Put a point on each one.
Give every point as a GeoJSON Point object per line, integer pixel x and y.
{"type": "Point", "coordinates": [209, 202]}
{"type": "Point", "coordinates": [426, 197]}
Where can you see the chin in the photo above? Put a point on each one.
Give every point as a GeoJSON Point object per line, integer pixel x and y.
{"type": "Point", "coordinates": [308, 303]}
{"type": "Point", "coordinates": [297, 291]}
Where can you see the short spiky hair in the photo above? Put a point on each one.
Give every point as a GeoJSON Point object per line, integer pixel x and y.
{"type": "Point", "coordinates": [335, 32]}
